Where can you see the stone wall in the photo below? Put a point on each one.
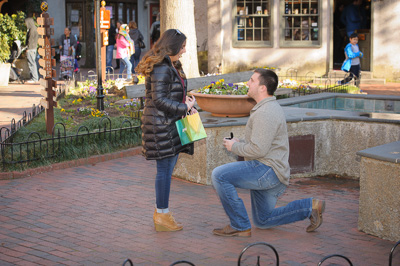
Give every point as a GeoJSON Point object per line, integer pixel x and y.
{"type": "Point", "coordinates": [336, 144]}
{"type": "Point", "coordinates": [337, 141]}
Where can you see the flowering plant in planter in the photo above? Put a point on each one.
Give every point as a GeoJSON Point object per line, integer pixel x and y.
{"type": "Point", "coordinates": [221, 88]}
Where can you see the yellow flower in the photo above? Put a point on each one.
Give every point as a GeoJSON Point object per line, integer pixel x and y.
{"type": "Point", "coordinates": [73, 101]}
{"type": "Point", "coordinates": [124, 97]}
{"type": "Point", "coordinates": [62, 110]}
{"type": "Point", "coordinates": [79, 100]}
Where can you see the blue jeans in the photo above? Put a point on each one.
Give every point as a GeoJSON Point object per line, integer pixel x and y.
{"type": "Point", "coordinates": [265, 188]}
{"type": "Point", "coordinates": [135, 58]}
{"type": "Point", "coordinates": [128, 65]}
{"type": "Point", "coordinates": [109, 55]}
{"type": "Point", "coordinates": [165, 167]}
{"type": "Point", "coordinates": [31, 57]}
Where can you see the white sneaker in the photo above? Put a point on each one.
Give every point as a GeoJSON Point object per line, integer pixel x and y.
{"type": "Point", "coordinates": [31, 81]}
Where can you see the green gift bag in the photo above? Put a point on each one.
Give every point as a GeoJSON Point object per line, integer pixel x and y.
{"type": "Point", "coordinates": [190, 129]}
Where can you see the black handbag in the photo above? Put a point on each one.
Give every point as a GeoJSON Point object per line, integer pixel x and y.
{"type": "Point", "coordinates": [141, 43]}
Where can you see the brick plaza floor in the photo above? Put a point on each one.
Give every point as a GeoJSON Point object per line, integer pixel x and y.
{"type": "Point", "coordinates": [102, 214]}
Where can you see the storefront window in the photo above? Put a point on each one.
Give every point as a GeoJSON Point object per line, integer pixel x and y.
{"type": "Point", "coordinates": [300, 23]}
{"type": "Point", "coordinates": [252, 23]}
{"type": "Point", "coordinates": [75, 20]}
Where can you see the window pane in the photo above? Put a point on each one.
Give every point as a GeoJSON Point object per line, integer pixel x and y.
{"type": "Point", "coordinates": [299, 20]}
{"type": "Point", "coordinates": [249, 35]}
{"type": "Point", "coordinates": [252, 22]}
{"type": "Point", "coordinates": [266, 35]}
{"type": "Point", "coordinates": [74, 20]}
{"type": "Point", "coordinates": [257, 35]}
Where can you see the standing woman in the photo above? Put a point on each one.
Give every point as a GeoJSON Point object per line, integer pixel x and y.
{"type": "Point", "coordinates": [166, 102]}
{"type": "Point", "coordinates": [135, 35]}
{"type": "Point", "coordinates": [124, 49]}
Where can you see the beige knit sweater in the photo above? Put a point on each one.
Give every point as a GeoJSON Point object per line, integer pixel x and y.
{"type": "Point", "coordinates": [266, 138]}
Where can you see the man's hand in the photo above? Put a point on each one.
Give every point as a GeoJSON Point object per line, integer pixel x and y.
{"type": "Point", "coordinates": [228, 143]}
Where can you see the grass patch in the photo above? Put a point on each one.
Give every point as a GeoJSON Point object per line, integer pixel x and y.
{"type": "Point", "coordinates": [32, 142]}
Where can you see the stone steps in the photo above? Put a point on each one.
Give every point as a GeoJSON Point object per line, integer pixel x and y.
{"type": "Point", "coordinates": [366, 77]}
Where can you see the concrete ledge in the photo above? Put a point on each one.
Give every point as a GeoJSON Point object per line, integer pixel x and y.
{"type": "Point", "coordinates": [388, 152]}
{"type": "Point", "coordinates": [379, 204]}
{"type": "Point", "coordinates": [73, 163]}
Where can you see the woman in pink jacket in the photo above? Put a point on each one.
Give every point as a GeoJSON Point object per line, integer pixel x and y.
{"type": "Point", "coordinates": [124, 49]}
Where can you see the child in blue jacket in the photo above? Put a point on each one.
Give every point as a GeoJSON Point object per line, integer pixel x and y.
{"type": "Point", "coordinates": [352, 62]}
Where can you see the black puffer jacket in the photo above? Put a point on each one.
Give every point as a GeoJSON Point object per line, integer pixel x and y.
{"type": "Point", "coordinates": [163, 106]}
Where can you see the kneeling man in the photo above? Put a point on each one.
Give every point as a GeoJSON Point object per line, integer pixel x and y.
{"type": "Point", "coordinates": [265, 171]}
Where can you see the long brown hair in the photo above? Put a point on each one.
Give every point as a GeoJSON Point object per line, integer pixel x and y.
{"type": "Point", "coordinates": [170, 43]}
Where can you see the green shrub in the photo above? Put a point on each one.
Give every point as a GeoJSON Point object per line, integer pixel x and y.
{"type": "Point", "coordinates": [11, 28]}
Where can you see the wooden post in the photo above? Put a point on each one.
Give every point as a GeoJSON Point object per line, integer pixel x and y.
{"type": "Point", "coordinates": [104, 26]}
{"type": "Point", "coordinates": [47, 63]}
{"type": "Point", "coordinates": [101, 24]}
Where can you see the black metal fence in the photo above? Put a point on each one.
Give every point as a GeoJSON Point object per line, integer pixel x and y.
{"type": "Point", "coordinates": [7, 133]}
{"type": "Point", "coordinates": [36, 148]}
{"type": "Point", "coordinates": [311, 84]}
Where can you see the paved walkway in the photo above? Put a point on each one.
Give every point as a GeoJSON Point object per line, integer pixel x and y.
{"type": "Point", "coordinates": [102, 214]}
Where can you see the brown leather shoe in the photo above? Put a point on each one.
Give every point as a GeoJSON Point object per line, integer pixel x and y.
{"type": "Point", "coordinates": [229, 231]}
{"type": "Point", "coordinates": [318, 207]}
{"type": "Point", "coordinates": [165, 222]}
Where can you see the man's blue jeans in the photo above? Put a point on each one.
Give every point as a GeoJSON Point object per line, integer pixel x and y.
{"type": "Point", "coordinates": [165, 167]}
{"type": "Point", "coordinates": [265, 188]}
{"type": "Point", "coordinates": [109, 55]}
{"type": "Point", "coordinates": [31, 57]}
{"type": "Point", "coordinates": [128, 65]}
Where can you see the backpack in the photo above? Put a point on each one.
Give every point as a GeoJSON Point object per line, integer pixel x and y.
{"type": "Point", "coordinates": [156, 33]}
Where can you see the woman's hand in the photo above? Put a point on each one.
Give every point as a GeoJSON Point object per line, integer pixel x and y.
{"type": "Point", "coordinates": [193, 111]}
{"type": "Point", "coordinates": [190, 101]}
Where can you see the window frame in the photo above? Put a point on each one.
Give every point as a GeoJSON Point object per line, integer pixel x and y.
{"type": "Point", "coordinates": [300, 43]}
{"type": "Point", "coordinates": [235, 29]}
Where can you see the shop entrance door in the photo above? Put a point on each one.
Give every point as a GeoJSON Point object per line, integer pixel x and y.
{"type": "Point", "coordinates": [340, 38]}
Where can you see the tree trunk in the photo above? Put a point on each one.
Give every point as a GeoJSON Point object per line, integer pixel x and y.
{"type": "Point", "coordinates": [180, 15]}
{"type": "Point", "coordinates": [89, 33]}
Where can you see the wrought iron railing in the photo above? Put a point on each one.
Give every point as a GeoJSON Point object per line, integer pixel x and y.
{"type": "Point", "coordinates": [36, 148]}
{"type": "Point", "coordinates": [311, 84]}
{"type": "Point", "coordinates": [7, 133]}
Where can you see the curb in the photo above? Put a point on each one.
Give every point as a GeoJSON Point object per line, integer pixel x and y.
{"type": "Point", "coordinates": [68, 164]}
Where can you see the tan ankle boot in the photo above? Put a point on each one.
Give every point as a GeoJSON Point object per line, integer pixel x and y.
{"type": "Point", "coordinates": [164, 222]}
{"type": "Point", "coordinates": [318, 207]}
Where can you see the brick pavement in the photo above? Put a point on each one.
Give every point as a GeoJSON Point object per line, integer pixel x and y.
{"type": "Point", "coordinates": [101, 214]}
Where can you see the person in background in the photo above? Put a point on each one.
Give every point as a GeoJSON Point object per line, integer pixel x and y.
{"type": "Point", "coordinates": [352, 17]}
{"type": "Point", "coordinates": [166, 103]}
{"type": "Point", "coordinates": [67, 43]}
{"type": "Point", "coordinates": [110, 46]}
{"type": "Point", "coordinates": [135, 35]}
{"type": "Point", "coordinates": [119, 23]}
{"type": "Point", "coordinates": [155, 29]}
{"type": "Point", "coordinates": [78, 54]}
{"type": "Point", "coordinates": [31, 42]}
{"type": "Point", "coordinates": [125, 49]}
{"type": "Point", "coordinates": [352, 63]}
{"type": "Point", "coordinates": [265, 171]}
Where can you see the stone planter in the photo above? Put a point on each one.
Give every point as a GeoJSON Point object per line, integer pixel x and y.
{"type": "Point", "coordinates": [4, 73]}
{"type": "Point", "coordinates": [225, 105]}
